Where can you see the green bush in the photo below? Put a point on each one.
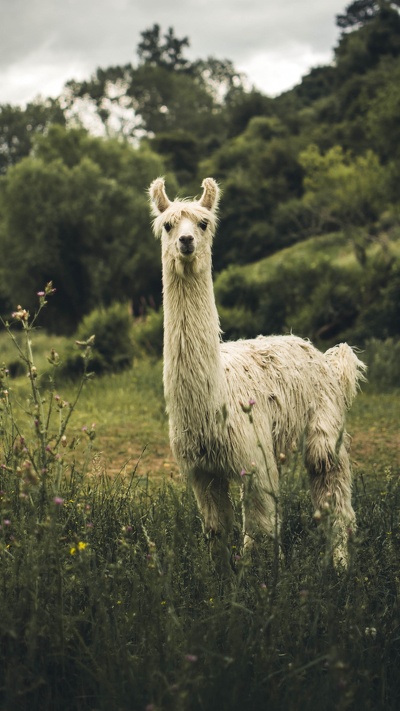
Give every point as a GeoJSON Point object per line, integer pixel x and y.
{"type": "Point", "coordinates": [148, 333]}
{"type": "Point", "coordinates": [112, 349]}
{"type": "Point", "coordinates": [383, 360]}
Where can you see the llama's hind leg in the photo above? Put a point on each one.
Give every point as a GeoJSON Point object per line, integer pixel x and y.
{"type": "Point", "coordinates": [330, 481]}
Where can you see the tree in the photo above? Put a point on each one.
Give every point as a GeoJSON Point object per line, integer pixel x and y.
{"type": "Point", "coordinates": [18, 128]}
{"type": "Point", "coordinates": [81, 220]}
{"type": "Point", "coordinates": [345, 192]}
{"type": "Point", "coordinates": [259, 169]}
{"type": "Point", "coordinates": [163, 51]}
{"type": "Point", "coordinates": [359, 12]}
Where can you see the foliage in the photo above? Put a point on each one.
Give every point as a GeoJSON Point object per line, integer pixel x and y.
{"type": "Point", "coordinates": [72, 213]}
{"type": "Point", "coordinates": [321, 157]}
{"type": "Point", "coordinates": [108, 331]}
{"type": "Point", "coordinates": [360, 12]}
{"type": "Point", "coordinates": [166, 51]}
{"type": "Point", "coordinates": [259, 169]}
{"type": "Point", "coordinates": [383, 360]}
{"type": "Point", "coordinates": [18, 128]}
{"type": "Point", "coordinates": [318, 289]}
{"type": "Point", "coordinates": [148, 333]}
{"type": "Point", "coordinates": [339, 188]}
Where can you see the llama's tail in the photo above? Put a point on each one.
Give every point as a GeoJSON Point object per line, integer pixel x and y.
{"type": "Point", "coordinates": [348, 368]}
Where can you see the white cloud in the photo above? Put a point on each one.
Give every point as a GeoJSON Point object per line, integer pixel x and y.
{"type": "Point", "coordinates": [274, 72]}
{"type": "Point", "coordinates": [44, 43]}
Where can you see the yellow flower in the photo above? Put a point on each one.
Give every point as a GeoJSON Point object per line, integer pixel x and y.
{"type": "Point", "coordinates": [79, 547]}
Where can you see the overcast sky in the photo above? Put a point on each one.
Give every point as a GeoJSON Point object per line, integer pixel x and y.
{"type": "Point", "coordinates": [44, 43]}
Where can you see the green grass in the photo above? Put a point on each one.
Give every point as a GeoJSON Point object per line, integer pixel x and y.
{"type": "Point", "coordinates": [109, 598]}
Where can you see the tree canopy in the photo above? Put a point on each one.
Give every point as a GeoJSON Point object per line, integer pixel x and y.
{"type": "Point", "coordinates": [321, 158]}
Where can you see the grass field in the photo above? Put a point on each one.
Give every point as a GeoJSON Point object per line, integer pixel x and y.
{"type": "Point", "coordinates": [109, 598]}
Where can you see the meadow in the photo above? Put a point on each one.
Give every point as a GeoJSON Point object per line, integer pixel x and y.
{"type": "Point", "coordinates": [109, 597]}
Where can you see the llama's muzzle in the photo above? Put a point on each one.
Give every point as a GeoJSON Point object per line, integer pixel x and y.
{"type": "Point", "coordinates": [186, 244]}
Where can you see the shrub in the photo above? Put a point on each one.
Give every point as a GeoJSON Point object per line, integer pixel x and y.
{"type": "Point", "coordinates": [148, 333]}
{"type": "Point", "coordinates": [383, 360]}
{"type": "Point", "coordinates": [112, 347]}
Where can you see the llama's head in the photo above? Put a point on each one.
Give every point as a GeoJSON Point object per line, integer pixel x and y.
{"type": "Point", "coordinates": [186, 227]}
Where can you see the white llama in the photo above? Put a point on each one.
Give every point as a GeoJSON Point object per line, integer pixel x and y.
{"type": "Point", "coordinates": [296, 393]}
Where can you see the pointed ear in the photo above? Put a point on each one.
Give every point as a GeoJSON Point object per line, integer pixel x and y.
{"type": "Point", "coordinates": [210, 196]}
{"type": "Point", "coordinates": [158, 196]}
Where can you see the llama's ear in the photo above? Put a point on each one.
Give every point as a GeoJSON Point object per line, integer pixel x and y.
{"type": "Point", "coordinates": [158, 196]}
{"type": "Point", "coordinates": [210, 196]}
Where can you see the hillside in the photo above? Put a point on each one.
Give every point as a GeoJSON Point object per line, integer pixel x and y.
{"type": "Point", "coordinates": [321, 159]}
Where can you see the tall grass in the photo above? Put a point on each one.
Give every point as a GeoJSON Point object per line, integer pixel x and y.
{"type": "Point", "coordinates": [109, 598]}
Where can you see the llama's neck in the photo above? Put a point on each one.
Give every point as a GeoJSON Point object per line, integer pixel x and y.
{"type": "Point", "coordinates": [193, 372]}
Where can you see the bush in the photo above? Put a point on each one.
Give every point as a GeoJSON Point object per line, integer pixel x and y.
{"type": "Point", "coordinates": [148, 334]}
{"type": "Point", "coordinates": [383, 360]}
{"type": "Point", "coordinates": [112, 349]}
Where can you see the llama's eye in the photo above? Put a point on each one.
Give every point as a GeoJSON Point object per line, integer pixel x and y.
{"type": "Point", "coordinates": [167, 226]}
{"type": "Point", "coordinates": [203, 225]}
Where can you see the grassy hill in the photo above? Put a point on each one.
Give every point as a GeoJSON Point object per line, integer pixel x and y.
{"type": "Point", "coordinates": [317, 288]}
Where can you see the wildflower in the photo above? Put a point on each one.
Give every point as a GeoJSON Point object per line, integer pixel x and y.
{"type": "Point", "coordinates": [49, 289]}
{"type": "Point", "coordinates": [40, 293]}
{"type": "Point", "coordinates": [64, 441]}
{"type": "Point", "coordinates": [20, 314]}
{"type": "Point", "coordinates": [79, 547]}
{"type": "Point", "coordinates": [370, 632]}
{"type": "Point", "coordinates": [247, 408]}
{"type": "Point", "coordinates": [7, 522]}
{"type": "Point", "coordinates": [243, 472]}
{"type": "Point", "coordinates": [54, 358]}
{"type": "Point", "coordinates": [58, 500]}
{"type": "Point", "coordinates": [90, 433]}
{"type": "Point", "coordinates": [317, 515]}
{"type": "Point", "coordinates": [191, 657]}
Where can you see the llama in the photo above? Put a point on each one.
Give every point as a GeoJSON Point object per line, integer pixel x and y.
{"type": "Point", "coordinates": [293, 392]}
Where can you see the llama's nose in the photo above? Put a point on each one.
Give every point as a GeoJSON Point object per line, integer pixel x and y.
{"type": "Point", "coordinates": [186, 244]}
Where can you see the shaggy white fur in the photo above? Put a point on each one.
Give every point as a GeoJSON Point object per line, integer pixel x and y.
{"type": "Point", "coordinates": [294, 394]}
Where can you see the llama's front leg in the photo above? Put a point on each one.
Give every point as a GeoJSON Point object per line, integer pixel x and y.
{"type": "Point", "coordinates": [213, 500]}
{"type": "Point", "coordinates": [260, 505]}
{"type": "Point", "coordinates": [330, 482]}
{"type": "Point", "coordinates": [212, 496]}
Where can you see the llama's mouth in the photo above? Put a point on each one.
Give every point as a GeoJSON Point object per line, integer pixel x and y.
{"type": "Point", "coordinates": [186, 249]}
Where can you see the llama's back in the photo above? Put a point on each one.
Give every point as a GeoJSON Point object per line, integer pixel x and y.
{"type": "Point", "coordinates": [289, 380]}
